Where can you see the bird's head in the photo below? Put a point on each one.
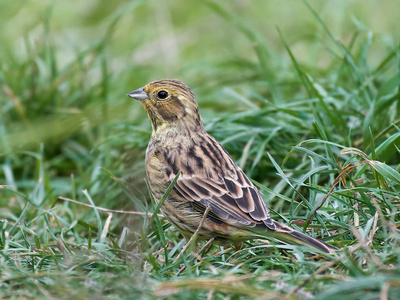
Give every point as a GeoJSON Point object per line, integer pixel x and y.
{"type": "Point", "coordinates": [170, 104]}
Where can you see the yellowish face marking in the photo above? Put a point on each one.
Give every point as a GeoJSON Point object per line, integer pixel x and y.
{"type": "Point", "coordinates": [170, 103]}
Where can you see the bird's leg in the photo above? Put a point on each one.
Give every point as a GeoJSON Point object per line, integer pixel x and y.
{"type": "Point", "coordinates": [238, 246]}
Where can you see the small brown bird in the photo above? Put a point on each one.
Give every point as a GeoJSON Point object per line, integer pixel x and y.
{"type": "Point", "coordinates": [209, 176]}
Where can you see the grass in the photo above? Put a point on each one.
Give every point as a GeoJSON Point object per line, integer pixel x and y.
{"type": "Point", "coordinates": [305, 100]}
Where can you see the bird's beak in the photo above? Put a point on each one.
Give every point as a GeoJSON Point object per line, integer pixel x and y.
{"type": "Point", "coordinates": [138, 94]}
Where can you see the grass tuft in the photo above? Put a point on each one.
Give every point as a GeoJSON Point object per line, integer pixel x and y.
{"type": "Point", "coordinates": [310, 112]}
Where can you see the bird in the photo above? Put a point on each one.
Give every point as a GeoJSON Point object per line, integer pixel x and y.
{"type": "Point", "coordinates": [209, 179]}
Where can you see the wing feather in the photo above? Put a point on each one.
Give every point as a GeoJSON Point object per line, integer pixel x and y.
{"type": "Point", "coordinates": [215, 188]}
{"type": "Point", "coordinates": [245, 203]}
{"type": "Point", "coordinates": [219, 183]}
{"type": "Point", "coordinates": [234, 189]}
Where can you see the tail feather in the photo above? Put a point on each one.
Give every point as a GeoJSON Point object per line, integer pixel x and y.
{"type": "Point", "coordinates": [289, 235]}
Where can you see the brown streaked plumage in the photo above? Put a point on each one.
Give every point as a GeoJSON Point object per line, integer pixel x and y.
{"type": "Point", "coordinates": [209, 176]}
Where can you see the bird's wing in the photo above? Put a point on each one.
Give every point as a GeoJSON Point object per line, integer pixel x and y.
{"type": "Point", "coordinates": [218, 182]}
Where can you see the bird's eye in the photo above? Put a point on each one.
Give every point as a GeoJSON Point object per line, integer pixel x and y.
{"type": "Point", "coordinates": [162, 94]}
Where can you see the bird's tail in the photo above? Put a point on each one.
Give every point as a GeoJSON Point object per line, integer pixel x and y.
{"type": "Point", "coordinates": [291, 236]}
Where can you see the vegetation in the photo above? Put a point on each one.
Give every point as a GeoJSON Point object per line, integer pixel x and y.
{"type": "Point", "coordinates": [305, 96]}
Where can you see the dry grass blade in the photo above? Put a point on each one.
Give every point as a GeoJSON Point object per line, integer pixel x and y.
{"type": "Point", "coordinates": [385, 288]}
{"type": "Point", "coordinates": [106, 227]}
{"type": "Point", "coordinates": [139, 213]}
{"type": "Point", "coordinates": [367, 248]}
{"type": "Point", "coordinates": [194, 236]}
{"type": "Point", "coordinates": [339, 178]}
{"type": "Point", "coordinates": [228, 283]}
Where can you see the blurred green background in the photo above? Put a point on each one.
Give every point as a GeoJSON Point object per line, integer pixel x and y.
{"type": "Point", "coordinates": [66, 66]}
{"type": "Point", "coordinates": [267, 75]}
